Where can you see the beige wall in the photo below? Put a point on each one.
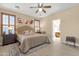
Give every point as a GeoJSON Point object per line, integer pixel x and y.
{"type": "Point", "coordinates": [69, 23]}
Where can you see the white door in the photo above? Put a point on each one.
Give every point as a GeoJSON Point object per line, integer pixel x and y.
{"type": "Point", "coordinates": [56, 30]}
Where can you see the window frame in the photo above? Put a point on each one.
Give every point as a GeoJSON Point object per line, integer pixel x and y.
{"type": "Point", "coordinates": [36, 26]}
{"type": "Point", "coordinates": [8, 21]}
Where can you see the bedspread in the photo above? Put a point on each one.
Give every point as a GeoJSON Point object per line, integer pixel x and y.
{"type": "Point", "coordinates": [30, 41]}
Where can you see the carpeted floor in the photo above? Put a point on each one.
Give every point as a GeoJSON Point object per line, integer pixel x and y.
{"type": "Point", "coordinates": [53, 49]}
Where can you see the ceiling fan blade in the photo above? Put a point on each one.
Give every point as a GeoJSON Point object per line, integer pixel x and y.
{"type": "Point", "coordinates": [37, 10]}
{"type": "Point", "coordinates": [47, 7]}
{"type": "Point", "coordinates": [33, 7]}
{"type": "Point", "coordinates": [41, 4]}
{"type": "Point", "coordinates": [44, 11]}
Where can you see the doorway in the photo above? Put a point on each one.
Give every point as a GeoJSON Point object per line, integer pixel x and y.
{"type": "Point", "coordinates": [56, 30]}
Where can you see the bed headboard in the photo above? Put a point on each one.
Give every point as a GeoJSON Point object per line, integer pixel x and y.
{"type": "Point", "coordinates": [21, 29]}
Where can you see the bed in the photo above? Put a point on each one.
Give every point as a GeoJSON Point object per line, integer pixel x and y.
{"type": "Point", "coordinates": [31, 41]}
{"type": "Point", "coordinates": [28, 39]}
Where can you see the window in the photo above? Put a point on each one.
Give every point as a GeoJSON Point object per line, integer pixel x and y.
{"type": "Point", "coordinates": [8, 23]}
{"type": "Point", "coordinates": [37, 25]}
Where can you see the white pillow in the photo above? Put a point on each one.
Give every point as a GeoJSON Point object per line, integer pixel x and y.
{"type": "Point", "coordinates": [27, 32]}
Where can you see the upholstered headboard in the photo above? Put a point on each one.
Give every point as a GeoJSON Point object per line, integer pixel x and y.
{"type": "Point", "coordinates": [21, 29]}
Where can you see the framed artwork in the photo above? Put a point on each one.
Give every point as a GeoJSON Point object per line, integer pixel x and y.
{"type": "Point", "coordinates": [31, 21]}
{"type": "Point", "coordinates": [26, 22]}
{"type": "Point", "coordinates": [19, 20]}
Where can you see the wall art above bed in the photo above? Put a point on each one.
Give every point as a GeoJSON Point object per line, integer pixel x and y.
{"type": "Point", "coordinates": [24, 21]}
{"type": "Point", "coordinates": [19, 20]}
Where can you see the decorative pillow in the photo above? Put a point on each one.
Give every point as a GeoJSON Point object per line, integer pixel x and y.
{"type": "Point", "coordinates": [27, 32]}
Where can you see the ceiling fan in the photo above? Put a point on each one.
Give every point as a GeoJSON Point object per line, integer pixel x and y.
{"type": "Point", "coordinates": [40, 7]}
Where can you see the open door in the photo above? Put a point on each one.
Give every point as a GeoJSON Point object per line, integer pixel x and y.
{"type": "Point", "coordinates": [56, 30]}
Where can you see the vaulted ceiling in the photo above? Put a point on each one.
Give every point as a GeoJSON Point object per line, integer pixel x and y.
{"type": "Point", "coordinates": [24, 8]}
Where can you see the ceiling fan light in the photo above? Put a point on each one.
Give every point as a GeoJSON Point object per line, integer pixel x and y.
{"type": "Point", "coordinates": [40, 9]}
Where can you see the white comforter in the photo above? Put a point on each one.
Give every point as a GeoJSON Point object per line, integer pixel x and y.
{"type": "Point", "coordinates": [30, 41]}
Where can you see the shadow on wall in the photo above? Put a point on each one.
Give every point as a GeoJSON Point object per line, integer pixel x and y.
{"type": "Point", "coordinates": [21, 29]}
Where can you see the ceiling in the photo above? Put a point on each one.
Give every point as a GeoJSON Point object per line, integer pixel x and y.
{"type": "Point", "coordinates": [24, 8]}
